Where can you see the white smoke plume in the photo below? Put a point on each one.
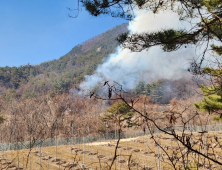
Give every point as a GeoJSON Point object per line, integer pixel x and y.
{"type": "Point", "coordinates": [127, 68]}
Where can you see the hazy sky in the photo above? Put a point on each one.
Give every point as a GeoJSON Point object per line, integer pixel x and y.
{"type": "Point", "coordinates": [34, 31]}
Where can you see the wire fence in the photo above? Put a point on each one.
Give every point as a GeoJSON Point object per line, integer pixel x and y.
{"type": "Point", "coordinates": [104, 137]}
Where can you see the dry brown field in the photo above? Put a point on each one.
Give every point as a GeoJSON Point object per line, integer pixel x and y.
{"type": "Point", "coordinates": [137, 153]}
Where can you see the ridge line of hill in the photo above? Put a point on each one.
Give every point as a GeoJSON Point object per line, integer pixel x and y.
{"type": "Point", "coordinates": [59, 75]}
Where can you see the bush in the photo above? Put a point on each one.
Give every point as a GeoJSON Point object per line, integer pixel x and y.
{"type": "Point", "coordinates": [217, 118]}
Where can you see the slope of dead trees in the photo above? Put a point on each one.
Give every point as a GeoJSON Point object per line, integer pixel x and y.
{"type": "Point", "coordinates": [43, 117]}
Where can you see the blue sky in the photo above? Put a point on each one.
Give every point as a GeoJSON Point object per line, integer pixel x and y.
{"type": "Point", "coordinates": [34, 31]}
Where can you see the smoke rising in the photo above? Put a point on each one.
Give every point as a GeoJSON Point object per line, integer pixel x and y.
{"type": "Point", "coordinates": [127, 68]}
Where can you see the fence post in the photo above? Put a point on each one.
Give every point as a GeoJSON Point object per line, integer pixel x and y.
{"type": "Point", "coordinates": [217, 128]}
{"type": "Point", "coordinates": [30, 160]}
{"type": "Point", "coordinates": [99, 163]}
{"type": "Point", "coordinates": [126, 141]}
{"type": "Point", "coordinates": [40, 152]}
{"type": "Point", "coordinates": [145, 161]}
{"type": "Point", "coordinates": [208, 123]}
{"type": "Point", "coordinates": [56, 140]}
{"type": "Point", "coordinates": [23, 161]}
{"type": "Point", "coordinates": [147, 140]}
{"type": "Point", "coordinates": [11, 150]}
{"type": "Point", "coordinates": [119, 159]}
{"type": "Point", "coordinates": [90, 160]}
{"type": "Point", "coordinates": [60, 157]}
{"type": "Point", "coordinates": [2, 145]}
{"type": "Point", "coordinates": [72, 135]}
{"type": "Point", "coordinates": [106, 130]}
{"type": "Point", "coordinates": [158, 153]}
{"type": "Point", "coordinates": [83, 149]}
{"type": "Point", "coordinates": [48, 161]}
{"type": "Point", "coordinates": [35, 139]}
{"type": "Point", "coordinates": [88, 139]}
{"type": "Point", "coordinates": [17, 149]}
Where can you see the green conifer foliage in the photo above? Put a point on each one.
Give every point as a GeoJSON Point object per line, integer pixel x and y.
{"type": "Point", "coordinates": [119, 112]}
{"type": "Point", "coordinates": [212, 94]}
{"type": "Point", "coordinates": [154, 89]}
{"type": "Point", "coordinates": [140, 88]}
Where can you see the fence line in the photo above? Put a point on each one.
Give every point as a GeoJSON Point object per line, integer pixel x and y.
{"type": "Point", "coordinates": [105, 137]}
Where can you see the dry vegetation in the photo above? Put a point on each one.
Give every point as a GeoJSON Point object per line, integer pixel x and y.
{"type": "Point", "coordinates": [32, 120]}
{"type": "Point", "coordinates": [133, 153]}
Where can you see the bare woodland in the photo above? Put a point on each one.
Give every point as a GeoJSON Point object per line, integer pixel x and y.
{"type": "Point", "coordinates": [167, 129]}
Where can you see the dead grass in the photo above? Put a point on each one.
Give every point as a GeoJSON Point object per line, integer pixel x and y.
{"type": "Point", "coordinates": [94, 155]}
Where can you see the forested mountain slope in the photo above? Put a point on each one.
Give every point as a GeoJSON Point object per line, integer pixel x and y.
{"type": "Point", "coordinates": [57, 76]}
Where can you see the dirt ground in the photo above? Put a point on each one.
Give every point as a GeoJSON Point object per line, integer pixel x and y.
{"type": "Point", "coordinates": [136, 153]}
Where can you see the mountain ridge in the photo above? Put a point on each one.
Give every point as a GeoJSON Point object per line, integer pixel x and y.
{"type": "Point", "coordinates": [57, 76]}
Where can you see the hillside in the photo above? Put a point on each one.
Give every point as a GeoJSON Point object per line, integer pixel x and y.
{"type": "Point", "coordinates": [36, 112]}
{"type": "Point", "coordinates": [58, 76]}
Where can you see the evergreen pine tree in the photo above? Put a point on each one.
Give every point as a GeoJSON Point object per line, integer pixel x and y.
{"type": "Point", "coordinates": [155, 90]}
{"type": "Point", "coordinates": [140, 88]}
{"type": "Point", "coordinates": [212, 94]}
